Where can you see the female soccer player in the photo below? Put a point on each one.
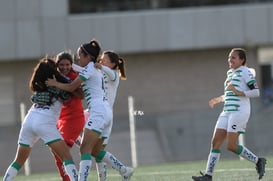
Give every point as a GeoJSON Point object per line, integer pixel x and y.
{"type": "Point", "coordinates": [40, 121]}
{"type": "Point", "coordinates": [71, 121]}
{"type": "Point", "coordinates": [113, 68]}
{"type": "Point", "coordinates": [240, 85]}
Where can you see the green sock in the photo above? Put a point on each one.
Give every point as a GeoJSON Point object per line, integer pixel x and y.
{"type": "Point", "coordinates": [16, 165]}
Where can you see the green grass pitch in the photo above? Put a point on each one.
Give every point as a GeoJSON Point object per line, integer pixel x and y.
{"type": "Point", "coordinates": [226, 170]}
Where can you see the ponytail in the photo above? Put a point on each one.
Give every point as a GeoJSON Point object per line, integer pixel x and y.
{"type": "Point", "coordinates": [121, 68]}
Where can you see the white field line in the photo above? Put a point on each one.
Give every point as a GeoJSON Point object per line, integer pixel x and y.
{"type": "Point", "coordinates": [163, 173]}
{"type": "Point", "coordinates": [192, 171]}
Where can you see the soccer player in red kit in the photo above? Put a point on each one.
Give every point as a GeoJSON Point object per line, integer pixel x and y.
{"type": "Point", "coordinates": [71, 121]}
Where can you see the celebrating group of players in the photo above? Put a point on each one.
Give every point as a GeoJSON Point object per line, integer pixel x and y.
{"type": "Point", "coordinates": [57, 114]}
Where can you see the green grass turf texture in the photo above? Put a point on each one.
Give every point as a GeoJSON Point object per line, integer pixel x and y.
{"type": "Point", "coordinates": [226, 170]}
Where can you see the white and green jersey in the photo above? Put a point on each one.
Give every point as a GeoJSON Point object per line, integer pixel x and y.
{"type": "Point", "coordinates": [111, 82]}
{"type": "Point", "coordinates": [92, 85]}
{"type": "Point", "coordinates": [241, 78]}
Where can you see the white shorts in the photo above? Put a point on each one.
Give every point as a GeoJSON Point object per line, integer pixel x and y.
{"type": "Point", "coordinates": [100, 119]}
{"type": "Point", "coordinates": [233, 121]}
{"type": "Point", "coordinates": [37, 125]}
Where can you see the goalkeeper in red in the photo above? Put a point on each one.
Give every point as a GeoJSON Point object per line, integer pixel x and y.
{"type": "Point", "coordinates": [71, 121]}
{"type": "Point", "coordinates": [240, 85]}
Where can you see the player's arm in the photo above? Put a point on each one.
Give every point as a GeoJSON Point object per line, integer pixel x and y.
{"type": "Point", "coordinates": [235, 91]}
{"type": "Point", "coordinates": [216, 100]}
{"type": "Point", "coordinates": [78, 93]}
{"type": "Point", "coordinates": [253, 91]}
{"type": "Point", "coordinates": [67, 87]}
{"type": "Point", "coordinates": [77, 68]}
{"type": "Point", "coordinates": [112, 74]}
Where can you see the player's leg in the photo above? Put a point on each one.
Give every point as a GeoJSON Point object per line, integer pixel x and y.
{"type": "Point", "coordinates": [26, 140]}
{"type": "Point", "coordinates": [109, 158]}
{"type": "Point", "coordinates": [100, 165]}
{"type": "Point", "coordinates": [88, 142]}
{"type": "Point", "coordinates": [63, 128]}
{"type": "Point", "coordinates": [70, 132]}
{"type": "Point", "coordinates": [60, 167]}
{"type": "Point", "coordinates": [101, 170]}
{"type": "Point", "coordinates": [215, 153]}
{"type": "Point", "coordinates": [62, 150]}
{"type": "Point", "coordinates": [244, 152]}
{"type": "Point", "coordinates": [214, 156]}
{"type": "Point", "coordinates": [218, 139]}
{"type": "Point", "coordinates": [238, 125]}
{"type": "Point", "coordinates": [101, 144]}
{"type": "Point", "coordinates": [22, 154]}
{"type": "Point", "coordinates": [52, 137]}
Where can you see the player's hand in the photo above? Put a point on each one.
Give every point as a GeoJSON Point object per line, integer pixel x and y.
{"type": "Point", "coordinates": [214, 101]}
{"type": "Point", "coordinates": [231, 87]}
{"type": "Point", "coordinates": [235, 91]}
{"type": "Point", "coordinates": [97, 65]}
{"type": "Point", "coordinates": [51, 82]}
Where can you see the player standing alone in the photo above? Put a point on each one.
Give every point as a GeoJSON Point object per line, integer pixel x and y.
{"type": "Point", "coordinates": [240, 85]}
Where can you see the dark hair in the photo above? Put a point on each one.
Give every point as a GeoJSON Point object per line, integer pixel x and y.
{"type": "Point", "coordinates": [241, 54]}
{"type": "Point", "coordinates": [64, 55]}
{"type": "Point", "coordinates": [92, 48]}
{"type": "Point", "coordinates": [45, 69]}
{"type": "Point", "coordinates": [118, 61]}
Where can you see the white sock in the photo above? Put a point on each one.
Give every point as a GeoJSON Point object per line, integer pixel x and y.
{"type": "Point", "coordinates": [10, 173]}
{"type": "Point", "coordinates": [213, 158]}
{"type": "Point", "coordinates": [101, 170]}
{"type": "Point", "coordinates": [114, 162]}
{"type": "Point", "coordinates": [247, 154]}
{"type": "Point", "coordinates": [71, 170]}
{"type": "Point", "coordinates": [85, 166]}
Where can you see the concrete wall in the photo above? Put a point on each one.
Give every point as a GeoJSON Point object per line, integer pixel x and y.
{"type": "Point", "coordinates": [32, 28]}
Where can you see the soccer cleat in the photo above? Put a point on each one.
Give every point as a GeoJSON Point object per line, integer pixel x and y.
{"type": "Point", "coordinates": [202, 177]}
{"type": "Point", "coordinates": [260, 167]}
{"type": "Point", "coordinates": [128, 173]}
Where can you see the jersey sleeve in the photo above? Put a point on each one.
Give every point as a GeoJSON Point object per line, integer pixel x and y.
{"type": "Point", "coordinates": [77, 68]}
{"type": "Point", "coordinates": [249, 77]}
{"type": "Point", "coordinates": [251, 83]}
{"type": "Point", "coordinates": [87, 71]}
{"type": "Point", "coordinates": [112, 74]}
